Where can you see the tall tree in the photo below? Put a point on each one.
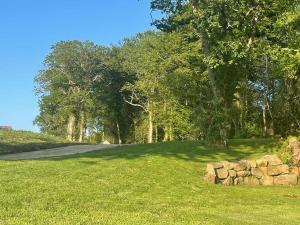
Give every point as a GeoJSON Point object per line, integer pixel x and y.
{"type": "Point", "coordinates": [70, 72]}
{"type": "Point", "coordinates": [233, 34]}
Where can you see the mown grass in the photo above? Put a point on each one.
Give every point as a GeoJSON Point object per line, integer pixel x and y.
{"type": "Point", "coordinates": [25, 141]}
{"type": "Point", "coordinates": [141, 184]}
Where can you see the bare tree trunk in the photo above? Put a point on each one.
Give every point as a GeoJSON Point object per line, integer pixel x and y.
{"type": "Point", "coordinates": [119, 134]}
{"type": "Point", "coordinates": [238, 118]}
{"type": "Point", "coordinates": [244, 108]}
{"type": "Point", "coordinates": [135, 128]}
{"type": "Point", "coordinates": [166, 134]}
{"type": "Point", "coordinates": [235, 122]}
{"type": "Point", "coordinates": [271, 129]}
{"type": "Point", "coordinates": [156, 134]}
{"type": "Point", "coordinates": [264, 121]}
{"type": "Point", "coordinates": [150, 127]}
{"type": "Point", "coordinates": [70, 127]}
{"type": "Point", "coordinates": [103, 134]}
{"type": "Point", "coordinates": [81, 127]}
{"type": "Point", "coordinates": [171, 135]}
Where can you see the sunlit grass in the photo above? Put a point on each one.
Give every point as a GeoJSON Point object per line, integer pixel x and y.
{"type": "Point", "coordinates": [142, 184]}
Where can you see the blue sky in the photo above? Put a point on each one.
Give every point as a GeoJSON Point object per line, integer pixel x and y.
{"type": "Point", "coordinates": [29, 28]}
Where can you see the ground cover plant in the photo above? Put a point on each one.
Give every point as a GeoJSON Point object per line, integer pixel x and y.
{"type": "Point", "coordinates": [141, 184]}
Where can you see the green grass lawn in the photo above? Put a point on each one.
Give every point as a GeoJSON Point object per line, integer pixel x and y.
{"type": "Point", "coordinates": [141, 184]}
{"type": "Point", "coordinates": [25, 141]}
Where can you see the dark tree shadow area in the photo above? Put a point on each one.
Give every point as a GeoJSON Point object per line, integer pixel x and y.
{"type": "Point", "coordinates": [183, 150]}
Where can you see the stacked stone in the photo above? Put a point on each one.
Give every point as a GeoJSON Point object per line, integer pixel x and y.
{"type": "Point", "coordinates": [268, 170]}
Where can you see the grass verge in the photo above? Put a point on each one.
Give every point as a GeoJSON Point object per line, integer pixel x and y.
{"type": "Point", "coordinates": [26, 141]}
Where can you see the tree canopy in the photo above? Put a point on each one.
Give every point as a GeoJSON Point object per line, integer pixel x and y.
{"type": "Point", "coordinates": [213, 70]}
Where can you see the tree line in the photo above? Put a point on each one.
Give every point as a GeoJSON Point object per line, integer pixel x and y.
{"type": "Point", "coordinates": [212, 70]}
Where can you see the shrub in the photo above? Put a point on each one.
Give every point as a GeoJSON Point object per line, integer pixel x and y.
{"type": "Point", "coordinates": [285, 153]}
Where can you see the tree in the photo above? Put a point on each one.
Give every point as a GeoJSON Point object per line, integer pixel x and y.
{"type": "Point", "coordinates": [149, 57]}
{"type": "Point", "coordinates": [234, 36]}
{"type": "Point", "coordinates": [216, 70]}
{"type": "Point", "coordinates": [70, 71]}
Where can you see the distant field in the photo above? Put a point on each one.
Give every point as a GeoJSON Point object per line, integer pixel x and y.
{"type": "Point", "coordinates": [24, 141]}
{"type": "Point", "coordinates": [141, 184]}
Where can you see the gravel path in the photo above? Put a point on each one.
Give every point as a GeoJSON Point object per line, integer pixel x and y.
{"type": "Point", "coordinates": [69, 150]}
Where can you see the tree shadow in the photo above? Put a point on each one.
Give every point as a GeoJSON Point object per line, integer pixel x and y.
{"type": "Point", "coordinates": [182, 150]}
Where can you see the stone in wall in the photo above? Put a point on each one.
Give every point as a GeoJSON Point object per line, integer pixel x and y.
{"type": "Point", "coordinates": [286, 179]}
{"type": "Point", "coordinates": [232, 173]}
{"type": "Point", "coordinates": [277, 170]}
{"type": "Point", "coordinates": [251, 180]}
{"type": "Point", "coordinates": [267, 180]}
{"type": "Point", "coordinates": [238, 181]}
{"type": "Point", "coordinates": [243, 173]}
{"type": "Point", "coordinates": [257, 172]}
{"type": "Point", "coordinates": [222, 173]}
{"type": "Point", "coordinates": [228, 181]}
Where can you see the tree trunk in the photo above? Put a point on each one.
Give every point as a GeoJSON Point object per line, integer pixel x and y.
{"type": "Point", "coordinates": [271, 129]}
{"type": "Point", "coordinates": [156, 134]}
{"type": "Point", "coordinates": [103, 134]}
{"type": "Point", "coordinates": [264, 122]}
{"type": "Point", "coordinates": [81, 127]}
{"type": "Point", "coordinates": [171, 135]}
{"type": "Point", "coordinates": [134, 133]}
{"type": "Point", "coordinates": [235, 122]}
{"type": "Point", "coordinates": [244, 108]}
{"type": "Point", "coordinates": [119, 134]}
{"type": "Point", "coordinates": [205, 49]}
{"type": "Point", "coordinates": [166, 134]}
{"type": "Point", "coordinates": [150, 127]}
{"type": "Point", "coordinates": [70, 127]}
{"type": "Point", "coordinates": [211, 74]}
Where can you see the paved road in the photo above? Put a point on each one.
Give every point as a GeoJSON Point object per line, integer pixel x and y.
{"type": "Point", "coordinates": [70, 150]}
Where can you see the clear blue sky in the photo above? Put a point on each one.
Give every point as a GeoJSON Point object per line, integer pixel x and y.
{"type": "Point", "coordinates": [29, 28]}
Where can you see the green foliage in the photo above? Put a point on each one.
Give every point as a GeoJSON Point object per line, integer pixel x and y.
{"type": "Point", "coordinates": [81, 81]}
{"type": "Point", "coordinates": [285, 153]}
{"type": "Point", "coordinates": [216, 70]}
{"type": "Point", "coordinates": [155, 59]}
{"type": "Point", "coordinates": [250, 130]}
{"type": "Point", "coordinates": [251, 51]}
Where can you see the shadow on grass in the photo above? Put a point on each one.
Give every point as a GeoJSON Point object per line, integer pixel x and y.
{"type": "Point", "coordinates": [183, 150]}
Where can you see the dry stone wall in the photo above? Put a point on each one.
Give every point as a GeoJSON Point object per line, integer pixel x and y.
{"type": "Point", "coordinates": [268, 170]}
